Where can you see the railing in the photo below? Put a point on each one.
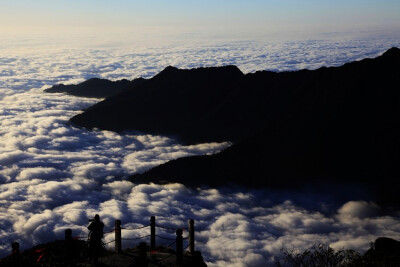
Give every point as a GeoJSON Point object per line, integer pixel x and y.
{"type": "Point", "coordinates": [118, 229]}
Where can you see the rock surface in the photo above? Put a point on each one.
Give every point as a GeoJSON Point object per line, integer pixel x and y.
{"type": "Point", "coordinates": [61, 253]}
{"type": "Point", "coordinates": [385, 252]}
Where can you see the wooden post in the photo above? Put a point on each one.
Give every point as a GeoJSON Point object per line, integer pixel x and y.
{"type": "Point", "coordinates": [191, 236]}
{"type": "Point", "coordinates": [117, 231]}
{"type": "Point", "coordinates": [179, 248]}
{"type": "Point", "coordinates": [143, 254]}
{"type": "Point", "coordinates": [153, 233]}
{"type": "Point", "coordinates": [15, 253]}
{"type": "Point", "coordinates": [69, 247]}
{"type": "Point", "coordinates": [68, 235]}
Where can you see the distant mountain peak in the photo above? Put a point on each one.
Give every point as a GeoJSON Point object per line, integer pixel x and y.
{"type": "Point", "coordinates": [95, 87]}
{"type": "Point", "coordinates": [228, 71]}
{"type": "Point", "coordinates": [392, 52]}
{"type": "Point", "coordinates": [232, 68]}
{"type": "Point", "coordinates": [169, 69]}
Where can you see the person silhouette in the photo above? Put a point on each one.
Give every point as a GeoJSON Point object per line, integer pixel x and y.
{"type": "Point", "coordinates": [95, 235]}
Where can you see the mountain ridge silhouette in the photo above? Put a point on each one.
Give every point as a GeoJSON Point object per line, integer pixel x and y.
{"type": "Point", "coordinates": [338, 124]}
{"type": "Point", "coordinates": [95, 87]}
{"type": "Point", "coordinates": [332, 123]}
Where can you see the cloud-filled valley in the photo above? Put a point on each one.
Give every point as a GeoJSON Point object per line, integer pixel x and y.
{"type": "Point", "coordinates": [54, 176]}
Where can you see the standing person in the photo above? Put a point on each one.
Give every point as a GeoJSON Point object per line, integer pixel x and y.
{"type": "Point", "coordinates": [95, 235]}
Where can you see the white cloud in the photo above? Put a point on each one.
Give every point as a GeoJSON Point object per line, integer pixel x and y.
{"type": "Point", "coordinates": [260, 233]}
{"type": "Point", "coordinates": [37, 173]}
{"type": "Point", "coordinates": [357, 210]}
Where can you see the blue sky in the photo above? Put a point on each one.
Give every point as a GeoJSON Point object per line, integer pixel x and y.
{"type": "Point", "coordinates": [229, 16]}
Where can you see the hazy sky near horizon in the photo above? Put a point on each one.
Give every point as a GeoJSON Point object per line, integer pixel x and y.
{"type": "Point", "coordinates": [206, 16]}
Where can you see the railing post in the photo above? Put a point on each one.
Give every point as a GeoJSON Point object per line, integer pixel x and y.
{"type": "Point", "coordinates": [143, 254]}
{"type": "Point", "coordinates": [191, 236]}
{"type": "Point", "coordinates": [68, 235]}
{"type": "Point", "coordinates": [153, 233]}
{"type": "Point", "coordinates": [69, 247]}
{"type": "Point", "coordinates": [117, 231]}
{"type": "Point", "coordinates": [179, 248]}
{"type": "Point", "coordinates": [15, 253]}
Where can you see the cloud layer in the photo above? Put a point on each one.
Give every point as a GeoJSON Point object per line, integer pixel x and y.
{"type": "Point", "coordinates": [54, 176]}
{"type": "Point", "coordinates": [24, 65]}
{"type": "Point", "coordinates": [233, 228]}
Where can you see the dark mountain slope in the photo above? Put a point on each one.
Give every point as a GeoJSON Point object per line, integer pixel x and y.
{"type": "Point", "coordinates": [172, 102]}
{"type": "Point", "coordinates": [219, 104]}
{"type": "Point", "coordinates": [339, 123]}
{"type": "Point", "coordinates": [99, 88]}
{"type": "Point", "coordinates": [258, 100]}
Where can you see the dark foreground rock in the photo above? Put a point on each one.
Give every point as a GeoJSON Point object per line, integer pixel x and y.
{"type": "Point", "coordinates": [164, 258]}
{"type": "Point", "coordinates": [384, 252]}
{"type": "Point", "coordinates": [62, 254]}
{"type": "Point", "coordinates": [57, 253]}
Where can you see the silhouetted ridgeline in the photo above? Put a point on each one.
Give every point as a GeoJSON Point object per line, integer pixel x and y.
{"type": "Point", "coordinates": [340, 123]}
{"type": "Point", "coordinates": [99, 88]}
{"type": "Point", "coordinates": [209, 104]}
{"type": "Point", "coordinates": [337, 122]}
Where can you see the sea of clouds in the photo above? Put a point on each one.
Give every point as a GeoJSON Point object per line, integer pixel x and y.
{"type": "Point", "coordinates": [54, 176]}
